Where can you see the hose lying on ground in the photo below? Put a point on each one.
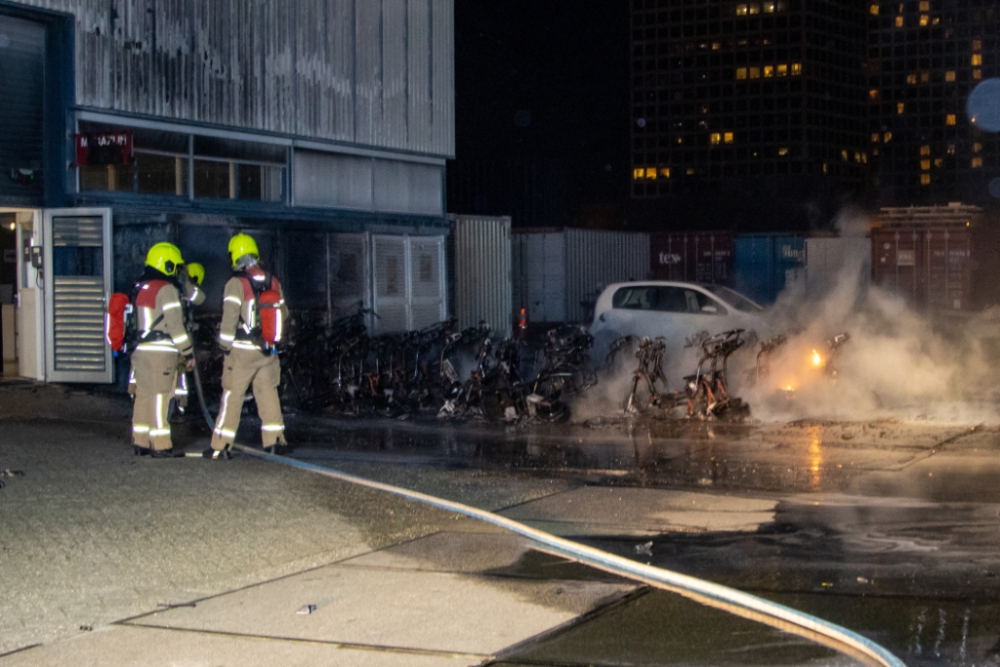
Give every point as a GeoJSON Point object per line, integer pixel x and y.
{"type": "Point", "coordinates": [714, 595]}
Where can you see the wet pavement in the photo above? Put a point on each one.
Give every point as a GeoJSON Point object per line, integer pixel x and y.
{"type": "Point", "coordinates": [888, 528]}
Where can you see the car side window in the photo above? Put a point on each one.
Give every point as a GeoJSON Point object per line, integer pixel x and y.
{"type": "Point", "coordinates": [635, 298]}
{"type": "Point", "coordinates": [697, 302]}
{"type": "Point", "coordinates": [671, 300]}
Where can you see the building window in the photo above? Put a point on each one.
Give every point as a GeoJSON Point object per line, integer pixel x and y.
{"type": "Point", "coordinates": [843, 155]}
{"type": "Point", "coordinates": [977, 147]}
{"type": "Point", "coordinates": [949, 76]}
{"type": "Point", "coordinates": [665, 172]}
{"type": "Point", "coordinates": [925, 179]}
{"type": "Point", "coordinates": [951, 149]}
{"type": "Point", "coordinates": [741, 72]}
{"type": "Point", "coordinates": [899, 21]}
{"type": "Point", "coordinates": [924, 20]}
{"type": "Point", "coordinates": [977, 162]}
{"type": "Point", "coordinates": [873, 94]}
{"type": "Point", "coordinates": [783, 70]}
{"type": "Point", "coordinates": [796, 69]}
{"type": "Point", "coordinates": [638, 173]}
{"type": "Point", "coordinates": [977, 45]}
{"type": "Point", "coordinates": [925, 165]}
{"type": "Point", "coordinates": [977, 74]}
{"type": "Point", "coordinates": [741, 10]}
{"type": "Point", "coordinates": [949, 119]}
{"type": "Point", "coordinates": [911, 78]}
{"type": "Point", "coordinates": [651, 173]}
{"type": "Point", "coordinates": [873, 10]}
{"type": "Point", "coordinates": [768, 71]}
{"type": "Point", "coordinates": [715, 139]}
{"type": "Point", "coordinates": [900, 107]}
{"type": "Point", "coordinates": [754, 72]}
{"type": "Point", "coordinates": [887, 137]}
{"type": "Point", "coordinates": [925, 5]}
{"type": "Point", "coordinates": [783, 151]}
{"type": "Point", "coordinates": [875, 137]}
{"type": "Point", "coordinates": [977, 59]}
{"type": "Point", "coordinates": [925, 150]}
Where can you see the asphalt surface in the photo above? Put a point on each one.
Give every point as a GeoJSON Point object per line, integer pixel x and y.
{"type": "Point", "coordinates": [106, 558]}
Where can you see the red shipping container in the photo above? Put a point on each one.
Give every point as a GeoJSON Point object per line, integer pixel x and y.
{"type": "Point", "coordinates": [700, 257]}
{"type": "Point", "coordinates": [942, 259]}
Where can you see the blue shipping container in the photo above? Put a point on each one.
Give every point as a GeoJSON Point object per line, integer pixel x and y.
{"type": "Point", "coordinates": [767, 263]}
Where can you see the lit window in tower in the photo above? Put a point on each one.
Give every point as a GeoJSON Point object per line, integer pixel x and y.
{"type": "Point", "coordinates": [754, 8]}
{"type": "Point", "coordinates": [796, 69]}
{"type": "Point", "coordinates": [768, 7]}
{"type": "Point", "coordinates": [741, 10]}
{"type": "Point", "coordinates": [754, 72]}
{"type": "Point", "coordinates": [665, 172]}
{"type": "Point", "coordinates": [977, 162]}
{"type": "Point", "coordinates": [728, 137]}
{"type": "Point", "coordinates": [925, 76]}
{"type": "Point", "coordinates": [689, 171]}
{"type": "Point", "coordinates": [977, 45]}
{"type": "Point", "coordinates": [977, 147]}
{"type": "Point", "coordinates": [949, 76]}
{"type": "Point", "coordinates": [651, 173]}
{"type": "Point", "coordinates": [873, 94]}
{"type": "Point", "coordinates": [899, 21]}
{"type": "Point", "coordinates": [843, 155]}
{"type": "Point", "coordinates": [938, 162]}
{"type": "Point", "coordinates": [925, 179]}
{"type": "Point", "coordinates": [924, 20]}
{"type": "Point", "coordinates": [857, 156]}
{"type": "Point", "coordinates": [768, 71]}
{"type": "Point", "coordinates": [874, 10]}
{"type": "Point", "coordinates": [783, 151]}
{"type": "Point", "coordinates": [951, 149]}
{"type": "Point", "coordinates": [887, 138]}
{"type": "Point", "coordinates": [949, 119]}
{"type": "Point", "coordinates": [638, 173]}
{"type": "Point", "coordinates": [716, 46]}
{"type": "Point", "coordinates": [874, 137]}
{"type": "Point", "coordinates": [977, 74]}
{"type": "Point", "coordinates": [715, 139]}
{"type": "Point", "coordinates": [911, 78]}
{"type": "Point", "coordinates": [925, 165]}
{"type": "Point", "coordinates": [977, 59]}
{"type": "Point", "coordinates": [900, 107]}
{"type": "Point", "coordinates": [925, 150]}
{"type": "Point", "coordinates": [782, 70]}
{"type": "Point", "coordinates": [741, 72]}
{"type": "Point", "coordinates": [925, 5]}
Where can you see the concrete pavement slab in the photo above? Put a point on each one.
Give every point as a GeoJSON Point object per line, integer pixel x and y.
{"type": "Point", "coordinates": [450, 551]}
{"type": "Point", "coordinates": [402, 609]}
{"type": "Point", "coordinates": [629, 511]}
{"type": "Point", "coordinates": [124, 646]}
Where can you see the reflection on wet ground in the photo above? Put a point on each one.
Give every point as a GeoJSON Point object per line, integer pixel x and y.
{"type": "Point", "coordinates": [889, 529]}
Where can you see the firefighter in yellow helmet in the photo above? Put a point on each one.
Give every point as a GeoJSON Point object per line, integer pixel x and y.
{"type": "Point", "coordinates": [250, 349]}
{"type": "Point", "coordinates": [191, 275]}
{"type": "Point", "coordinates": [163, 344]}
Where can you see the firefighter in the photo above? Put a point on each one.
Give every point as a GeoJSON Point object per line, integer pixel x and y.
{"type": "Point", "coordinates": [163, 343]}
{"type": "Point", "coordinates": [191, 276]}
{"type": "Point", "coordinates": [249, 357]}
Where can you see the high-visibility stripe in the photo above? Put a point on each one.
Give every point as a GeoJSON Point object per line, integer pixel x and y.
{"type": "Point", "coordinates": [223, 408]}
{"type": "Point", "coordinates": [224, 433]}
{"type": "Point", "coordinates": [171, 305]}
{"type": "Point", "coordinates": [158, 432]}
{"type": "Point", "coordinates": [140, 428]}
{"type": "Point", "coordinates": [272, 427]}
{"type": "Point", "coordinates": [183, 338]}
{"type": "Point", "coordinates": [229, 338]}
{"type": "Point", "coordinates": [232, 299]}
{"type": "Point", "coordinates": [153, 347]}
{"type": "Point", "coordinates": [245, 346]}
{"type": "Point", "coordinates": [159, 413]}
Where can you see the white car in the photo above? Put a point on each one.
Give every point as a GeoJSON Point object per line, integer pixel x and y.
{"type": "Point", "coordinates": [675, 310]}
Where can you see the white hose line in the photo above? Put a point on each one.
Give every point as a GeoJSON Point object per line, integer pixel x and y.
{"type": "Point", "coordinates": [721, 597]}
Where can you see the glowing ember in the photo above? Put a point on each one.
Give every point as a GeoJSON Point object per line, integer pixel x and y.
{"type": "Point", "coordinates": [817, 360]}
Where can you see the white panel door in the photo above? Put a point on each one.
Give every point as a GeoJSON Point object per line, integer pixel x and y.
{"type": "Point", "coordinates": [77, 277]}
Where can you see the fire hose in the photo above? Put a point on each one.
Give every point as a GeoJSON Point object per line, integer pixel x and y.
{"type": "Point", "coordinates": [707, 593]}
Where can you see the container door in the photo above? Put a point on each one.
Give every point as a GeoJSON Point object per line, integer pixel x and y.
{"type": "Point", "coordinates": [391, 277]}
{"type": "Point", "coordinates": [427, 281]}
{"type": "Point", "coordinates": [77, 277]}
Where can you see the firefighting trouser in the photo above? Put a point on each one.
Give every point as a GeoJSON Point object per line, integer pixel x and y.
{"type": "Point", "coordinates": [240, 368]}
{"type": "Point", "coordinates": [155, 376]}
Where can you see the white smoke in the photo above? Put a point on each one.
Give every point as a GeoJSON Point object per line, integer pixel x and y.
{"type": "Point", "coordinates": [897, 363]}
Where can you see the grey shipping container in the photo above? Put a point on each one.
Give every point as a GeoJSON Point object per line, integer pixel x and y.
{"type": "Point", "coordinates": [558, 274]}
{"type": "Point", "coordinates": [479, 250]}
{"type": "Point", "coordinates": [828, 258]}
{"type": "Point", "coordinates": [768, 263]}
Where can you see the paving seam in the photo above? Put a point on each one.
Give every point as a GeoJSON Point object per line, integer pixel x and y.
{"type": "Point", "coordinates": [935, 449]}
{"type": "Point", "coordinates": [315, 642]}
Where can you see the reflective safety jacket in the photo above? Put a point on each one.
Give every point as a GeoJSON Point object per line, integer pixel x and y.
{"type": "Point", "coordinates": [160, 319]}
{"type": "Point", "coordinates": [239, 309]}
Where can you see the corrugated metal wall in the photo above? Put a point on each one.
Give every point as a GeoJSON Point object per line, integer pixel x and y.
{"type": "Point", "coordinates": [482, 273]}
{"type": "Point", "coordinates": [559, 274]}
{"type": "Point", "coordinates": [595, 259]}
{"type": "Point", "coordinates": [375, 73]}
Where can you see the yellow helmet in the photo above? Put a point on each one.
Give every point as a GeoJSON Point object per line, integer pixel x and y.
{"type": "Point", "coordinates": [240, 245]}
{"type": "Point", "coordinates": [196, 272]}
{"type": "Point", "coordinates": [165, 258]}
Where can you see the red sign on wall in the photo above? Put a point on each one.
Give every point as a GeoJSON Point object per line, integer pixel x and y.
{"type": "Point", "coordinates": [104, 148]}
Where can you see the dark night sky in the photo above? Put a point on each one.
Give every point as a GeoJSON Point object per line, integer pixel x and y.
{"type": "Point", "coordinates": [544, 80]}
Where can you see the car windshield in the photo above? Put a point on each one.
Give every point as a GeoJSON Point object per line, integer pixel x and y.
{"type": "Point", "coordinates": [734, 298]}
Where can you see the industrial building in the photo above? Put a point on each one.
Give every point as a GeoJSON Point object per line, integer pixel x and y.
{"type": "Point", "coordinates": [321, 127]}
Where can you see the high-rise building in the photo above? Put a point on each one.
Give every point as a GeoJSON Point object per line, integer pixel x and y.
{"type": "Point", "coordinates": [776, 113]}
{"type": "Point", "coordinates": [924, 59]}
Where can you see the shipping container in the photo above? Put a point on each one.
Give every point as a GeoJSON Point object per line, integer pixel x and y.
{"type": "Point", "coordinates": [700, 257]}
{"type": "Point", "coordinates": [942, 259]}
{"type": "Point", "coordinates": [768, 263]}
{"type": "Point", "coordinates": [558, 273]}
{"type": "Point", "coordinates": [479, 252]}
{"type": "Point", "coordinates": [828, 258]}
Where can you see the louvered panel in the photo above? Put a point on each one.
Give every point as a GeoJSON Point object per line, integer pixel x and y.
{"type": "Point", "coordinates": [79, 323]}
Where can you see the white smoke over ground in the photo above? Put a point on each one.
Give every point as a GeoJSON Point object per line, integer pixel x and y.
{"type": "Point", "coordinates": [897, 363]}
